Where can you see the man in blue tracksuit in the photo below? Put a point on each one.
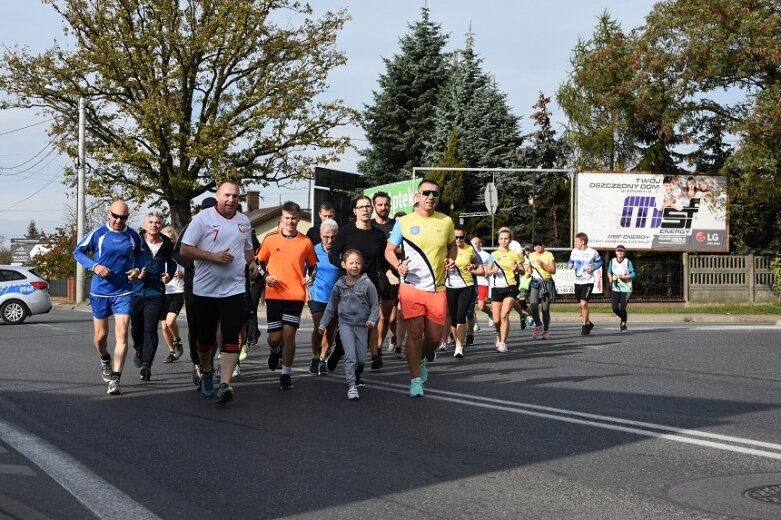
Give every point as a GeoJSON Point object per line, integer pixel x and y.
{"type": "Point", "coordinates": [113, 252]}
{"type": "Point", "coordinates": [149, 289]}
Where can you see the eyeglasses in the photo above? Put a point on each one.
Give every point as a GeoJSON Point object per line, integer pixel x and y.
{"type": "Point", "coordinates": [364, 208]}
{"type": "Point", "coordinates": [118, 217]}
{"type": "Point", "coordinates": [430, 193]}
{"type": "Point", "coordinates": [460, 237]}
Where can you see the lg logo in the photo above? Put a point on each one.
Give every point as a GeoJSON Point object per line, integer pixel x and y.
{"type": "Point", "coordinates": [701, 236]}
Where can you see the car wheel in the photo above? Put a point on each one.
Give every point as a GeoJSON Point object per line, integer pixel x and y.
{"type": "Point", "coordinates": [13, 312]}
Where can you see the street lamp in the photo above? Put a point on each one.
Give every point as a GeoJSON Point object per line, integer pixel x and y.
{"type": "Point", "coordinates": [81, 190]}
{"type": "Point", "coordinates": [80, 196]}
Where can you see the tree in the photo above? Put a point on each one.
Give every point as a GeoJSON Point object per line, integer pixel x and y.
{"type": "Point", "coordinates": [181, 95]}
{"type": "Point", "coordinates": [57, 263]}
{"type": "Point", "coordinates": [451, 182]}
{"type": "Point", "coordinates": [598, 101]}
{"type": "Point", "coordinates": [694, 51]}
{"type": "Point", "coordinates": [400, 121]}
{"type": "Point", "coordinates": [32, 230]}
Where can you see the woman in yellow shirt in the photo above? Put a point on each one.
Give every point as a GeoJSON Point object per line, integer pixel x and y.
{"type": "Point", "coordinates": [504, 270]}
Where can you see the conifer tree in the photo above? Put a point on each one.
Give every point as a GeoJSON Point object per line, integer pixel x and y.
{"type": "Point", "coordinates": [400, 121]}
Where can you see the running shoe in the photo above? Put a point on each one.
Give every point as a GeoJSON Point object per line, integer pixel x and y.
{"type": "Point", "coordinates": [224, 394]}
{"type": "Point", "coordinates": [431, 356]}
{"type": "Point", "coordinates": [477, 327]}
{"type": "Point", "coordinates": [377, 360]}
{"type": "Point", "coordinates": [392, 344]}
{"type": "Point", "coordinates": [217, 371]}
{"type": "Point", "coordinates": [322, 368]}
{"type": "Point", "coordinates": [285, 382]}
{"type": "Point", "coordinates": [536, 332]}
{"type": "Point", "coordinates": [314, 366]}
{"type": "Point", "coordinates": [470, 339]}
{"type": "Point", "coordinates": [207, 385]}
{"type": "Point", "coordinates": [589, 326]}
{"type": "Point", "coordinates": [546, 335]}
{"type": "Point", "coordinates": [352, 394]}
{"type": "Point", "coordinates": [423, 373]}
{"type": "Point", "coordinates": [171, 358]}
{"type": "Point", "coordinates": [397, 353]}
{"type": "Point", "coordinates": [584, 330]}
{"type": "Point", "coordinates": [416, 388]}
{"type": "Point", "coordinates": [236, 371]}
{"type": "Point", "coordinates": [529, 321]}
{"type": "Point", "coordinates": [113, 386]}
{"type": "Point", "coordinates": [459, 354]}
{"type": "Point", "coordinates": [178, 349]}
{"type": "Point", "coordinates": [523, 322]}
{"type": "Point", "coordinates": [146, 372]}
{"type": "Point", "coordinates": [443, 346]}
{"type": "Point", "coordinates": [273, 358]}
{"type": "Point", "coordinates": [332, 361]}
{"type": "Point", "coordinates": [137, 361]}
{"type": "Point", "coordinates": [105, 369]}
{"type": "Point", "coordinates": [244, 352]}
{"type": "Point", "coordinates": [197, 375]}
{"type": "Point", "coordinates": [623, 328]}
{"type": "Point", "coordinates": [489, 323]}
{"type": "Point", "coordinates": [501, 347]}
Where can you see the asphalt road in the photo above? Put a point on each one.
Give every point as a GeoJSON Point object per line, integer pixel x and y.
{"type": "Point", "coordinates": [672, 420]}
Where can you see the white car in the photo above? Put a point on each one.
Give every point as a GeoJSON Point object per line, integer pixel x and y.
{"type": "Point", "coordinates": [23, 292]}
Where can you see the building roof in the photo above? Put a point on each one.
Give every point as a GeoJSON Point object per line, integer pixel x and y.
{"type": "Point", "coordinates": [262, 215]}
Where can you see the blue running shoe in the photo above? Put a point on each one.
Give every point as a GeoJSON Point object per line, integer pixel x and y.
{"type": "Point", "coordinates": [207, 385]}
{"type": "Point", "coordinates": [423, 371]}
{"type": "Point", "coordinates": [416, 388]}
{"type": "Point", "coordinates": [224, 394]}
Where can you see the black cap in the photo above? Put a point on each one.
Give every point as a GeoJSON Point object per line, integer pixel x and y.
{"type": "Point", "coordinates": [208, 202]}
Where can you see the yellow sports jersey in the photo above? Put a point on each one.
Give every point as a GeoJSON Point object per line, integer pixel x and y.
{"type": "Point", "coordinates": [505, 261]}
{"type": "Point", "coordinates": [544, 258]}
{"type": "Point", "coordinates": [462, 276]}
{"type": "Point", "coordinates": [425, 241]}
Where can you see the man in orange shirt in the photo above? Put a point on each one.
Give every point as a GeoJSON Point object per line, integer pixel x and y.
{"type": "Point", "coordinates": [288, 262]}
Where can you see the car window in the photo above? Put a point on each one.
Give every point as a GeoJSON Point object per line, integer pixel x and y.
{"type": "Point", "coordinates": [6, 275]}
{"type": "Point", "coordinates": [36, 273]}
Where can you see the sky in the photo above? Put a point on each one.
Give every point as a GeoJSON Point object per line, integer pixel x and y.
{"type": "Point", "coordinates": [525, 44]}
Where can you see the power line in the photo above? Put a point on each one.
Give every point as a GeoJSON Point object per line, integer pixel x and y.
{"type": "Point", "coordinates": [28, 160]}
{"type": "Point", "coordinates": [26, 127]}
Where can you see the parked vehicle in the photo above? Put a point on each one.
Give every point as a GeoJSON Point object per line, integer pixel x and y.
{"type": "Point", "coordinates": [23, 292]}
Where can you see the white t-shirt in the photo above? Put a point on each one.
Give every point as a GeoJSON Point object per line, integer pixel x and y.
{"type": "Point", "coordinates": [176, 285]}
{"type": "Point", "coordinates": [484, 259]}
{"type": "Point", "coordinates": [582, 259]}
{"type": "Point", "coordinates": [210, 231]}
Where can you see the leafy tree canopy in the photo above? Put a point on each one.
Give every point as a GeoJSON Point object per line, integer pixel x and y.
{"type": "Point", "coordinates": [183, 94]}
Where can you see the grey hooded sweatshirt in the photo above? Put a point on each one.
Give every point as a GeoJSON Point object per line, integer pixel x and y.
{"type": "Point", "coordinates": [354, 304]}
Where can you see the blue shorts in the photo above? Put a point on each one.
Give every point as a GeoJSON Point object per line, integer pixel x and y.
{"type": "Point", "coordinates": [105, 306]}
{"type": "Point", "coordinates": [317, 307]}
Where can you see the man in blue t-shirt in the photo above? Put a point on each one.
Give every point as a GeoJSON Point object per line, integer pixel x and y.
{"type": "Point", "coordinates": [113, 252]}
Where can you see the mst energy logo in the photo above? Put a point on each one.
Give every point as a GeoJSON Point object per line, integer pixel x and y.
{"type": "Point", "coordinates": [640, 212]}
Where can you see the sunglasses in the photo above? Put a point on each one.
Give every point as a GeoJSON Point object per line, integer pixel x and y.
{"type": "Point", "coordinates": [118, 217]}
{"type": "Point", "coordinates": [460, 237]}
{"type": "Point", "coordinates": [430, 193]}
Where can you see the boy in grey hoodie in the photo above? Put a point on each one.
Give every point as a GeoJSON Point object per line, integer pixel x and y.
{"type": "Point", "coordinates": [354, 299]}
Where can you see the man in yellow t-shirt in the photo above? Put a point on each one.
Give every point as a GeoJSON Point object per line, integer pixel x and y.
{"type": "Point", "coordinates": [427, 238]}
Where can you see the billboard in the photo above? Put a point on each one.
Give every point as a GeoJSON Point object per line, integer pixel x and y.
{"type": "Point", "coordinates": [402, 194]}
{"type": "Point", "coordinates": [650, 211]}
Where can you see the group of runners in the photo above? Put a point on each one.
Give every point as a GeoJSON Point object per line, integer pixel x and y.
{"type": "Point", "coordinates": [413, 275]}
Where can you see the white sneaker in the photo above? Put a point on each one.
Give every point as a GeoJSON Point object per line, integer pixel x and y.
{"type": "Point", "coordinates": [459, 354]}
{"type": "Point", "coordinates": [236, 371]}
{"type": "Point", "coordinates": [489, 323]}
{"type": "Point", "coordinates": [477, 327]}
{"type": "Point", "coordinates": [391, 347]}
{"type": "Point", "coordinates": [443, 346]}
{"type": "Point", "coordinates": [501, 348]}
{"type": "Point", "coordinates": [352, 394]}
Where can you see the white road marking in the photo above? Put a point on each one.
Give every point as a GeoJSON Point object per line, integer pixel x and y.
{"type": "Point", "coordinates": [670, 433]}
{"type": "Point", "coordinates": [95, 493]}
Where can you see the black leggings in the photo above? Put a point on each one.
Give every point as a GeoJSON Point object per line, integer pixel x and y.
{"type": "Point", "coordinates": [458, 302]}
{"type": "Point", "coordinates": [620, 300]}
